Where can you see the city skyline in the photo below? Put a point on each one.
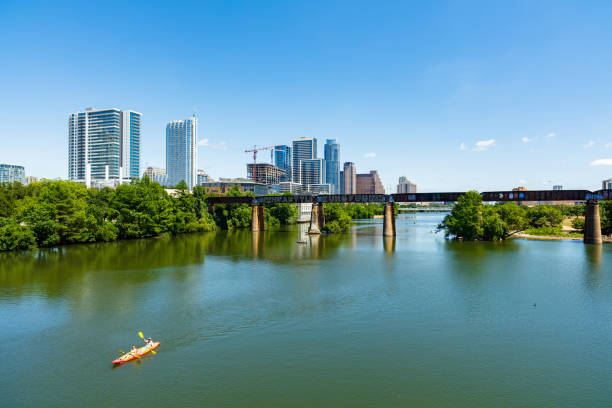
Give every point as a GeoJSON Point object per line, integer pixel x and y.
{"type": "Point", "coordinates": [447, 115]}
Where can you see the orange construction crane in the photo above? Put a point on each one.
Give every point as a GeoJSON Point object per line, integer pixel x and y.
{"type": "Point", "coordinates": [254, 150]}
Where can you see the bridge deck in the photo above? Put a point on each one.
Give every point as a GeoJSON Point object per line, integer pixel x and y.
{"type": "Point", "coordinates": [490, 196]}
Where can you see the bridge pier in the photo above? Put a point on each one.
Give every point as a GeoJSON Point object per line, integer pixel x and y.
{"type": "Point", "coordinates": [592, 223]}
{"type": "Point", "coordinates": [211, 209]}
{"type": "Point", "coordinates": [317, 219]}
{"type": "Point", "coordinates": [389, 220]}
{"type": "Point", "coordinates": [258, 222]}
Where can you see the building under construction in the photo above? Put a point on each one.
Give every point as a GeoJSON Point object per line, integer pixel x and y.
{"type": "Point", "coordinates": [265, 173]}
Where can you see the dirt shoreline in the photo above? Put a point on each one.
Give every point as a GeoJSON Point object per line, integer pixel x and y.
{"type": "Point", "coordinates": [554, 238]}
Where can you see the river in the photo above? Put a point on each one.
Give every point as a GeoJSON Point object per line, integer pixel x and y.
{"type": "Point", "coordinates": [346, 320]}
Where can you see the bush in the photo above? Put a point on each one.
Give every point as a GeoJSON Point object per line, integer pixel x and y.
{"type": "Point", "coordinates": [578, 224]}
{"type": "Point", "coordinates": [14, 236]}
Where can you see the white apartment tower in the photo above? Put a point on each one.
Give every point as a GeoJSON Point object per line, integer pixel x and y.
{"type": "Point", "coordinates": [103, 144]}
{"type": "Point", "coordinates": [181, 151]}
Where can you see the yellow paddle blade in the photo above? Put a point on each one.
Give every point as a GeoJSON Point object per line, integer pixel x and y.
{"type": "Point", "coordinates": [153, 351]}
{"type": "Point", "coordinates": [122, 352]}
{"type": "Point", "coordinates": [140, 334]}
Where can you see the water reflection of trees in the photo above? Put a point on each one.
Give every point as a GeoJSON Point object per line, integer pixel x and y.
{"type": "Point", "coordinates": [53, 268]}
{"type": "Point", "coordinates": [281, 246]}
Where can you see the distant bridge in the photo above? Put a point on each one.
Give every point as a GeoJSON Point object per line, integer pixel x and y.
{"type": "Point", "coordinates": [592, 230]}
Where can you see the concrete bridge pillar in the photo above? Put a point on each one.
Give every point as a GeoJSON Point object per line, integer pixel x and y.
{"type": "Point", "coordinates": [317, 219]}
{"type": "Point", "coordinates": [211, 209]}
{"type": "Point", "coordinates": [592, 223]}
{"type": "Point", "coordinates": [389, 220]}
{"type": "Point", "coordinates": [258, 222]}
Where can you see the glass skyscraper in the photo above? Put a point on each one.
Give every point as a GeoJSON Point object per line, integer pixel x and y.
{"type": "Point", "coordinates": [107, 141]}
{"type": "Point", "coordinates": [303, 149]}
{"type": "Point", "coordinates": [181, 151]}
{"type": "Point", "coordinates": [282, 160]}
{"type": "Point", "coordinates": [10, 173]}
{"type": "Point", "coordinates": [332, 165]}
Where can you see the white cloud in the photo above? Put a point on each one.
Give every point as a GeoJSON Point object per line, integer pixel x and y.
{"type": "Point", "coordinates": [219, 146]}
{"type": "Point", "coordinates": [589, 144]}
{"type": "Point", "coordinates": [601, 162]}
{"type": "Point", "coordinates": [550, 135]}
{"type": "Point", "coordinates": [608, 145]}
{"type": "Point", "coordinates": [369, 155]}
{"type": "Point", "coordinates": [216, 146]}
{"type": "Point", "coordinates": [522, 182]}
{"type": "Point", "coordinates": [526, 140]}
{"type": "Point", "coordinates": [484, 145]}
{"type": "Point", "coordinates": [462, 146]}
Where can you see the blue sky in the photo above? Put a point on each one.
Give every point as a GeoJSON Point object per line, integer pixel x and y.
{"type": "Point", "coordinates": [452, 94]}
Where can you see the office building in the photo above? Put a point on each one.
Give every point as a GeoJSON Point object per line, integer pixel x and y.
{"type": "Point", "coordinates": [349, 179]}
{"type": "Point", "coordinates": [312, 171]}
{"type": "Point", "coordinates": [103, 144]}
{"type": "Point", "coordinates": [181, 151]}
{"type": "Point", "coordinates": [282, 160]}
{"type": "Point", "coordinates": [157, 175]}
{"type": "Point", "coordinates": [202, 177]}
{"type": "Point", "coordinates": [556, 188]}
{"type": "Point", "coordinates": [302, 149]}
{"type": "Point", "coordinates": [405, 186]}
{"type": "Point", "coordinates": [332, 164]}
{"type": "Point", "coordinates": [289, 187]}
{"type": "Point", "coordinates": [319, 188]}
{"type": "Point", "coordinates": [225, 184]}
{"type": "Point", "coordinates": [606, 184]}
{"type": "Point", "coordinates": [10, 173]}
{"type": "Point", "coordinates": [369, 183]}
{"type": "Point", "coordinates": [265, 173]}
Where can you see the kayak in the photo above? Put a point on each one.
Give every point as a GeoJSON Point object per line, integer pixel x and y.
{"type": "Point", "coordinates": [139, 352]}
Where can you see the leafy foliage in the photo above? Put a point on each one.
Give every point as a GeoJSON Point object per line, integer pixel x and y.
{"type": "Point", "coordinates": [470, 219]}
{"type": "Point", "coordinates": [63, 212]}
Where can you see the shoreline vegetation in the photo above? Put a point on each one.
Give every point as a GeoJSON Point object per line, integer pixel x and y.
{"type": "Point", "coordinates": [472, 220]}
{"type": "Point", "coordinates": [51, 213]}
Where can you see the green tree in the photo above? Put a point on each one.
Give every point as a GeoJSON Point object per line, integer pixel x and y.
{"type": "Point", "coordinates": [465, 220]}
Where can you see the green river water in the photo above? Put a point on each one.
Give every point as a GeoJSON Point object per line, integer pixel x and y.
{"type": "Point", "coordinates": [352, 320]}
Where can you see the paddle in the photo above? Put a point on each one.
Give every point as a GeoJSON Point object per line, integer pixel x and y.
{"type": "Point", "coordinates": [142, 337]}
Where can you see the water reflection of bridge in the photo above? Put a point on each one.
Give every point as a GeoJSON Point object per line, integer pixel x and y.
{"type": "Point", "coordinates": [592, 230]}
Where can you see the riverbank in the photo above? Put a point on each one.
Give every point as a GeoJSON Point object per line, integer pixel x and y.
{"type": "Point", "coordinates": [606, 239]}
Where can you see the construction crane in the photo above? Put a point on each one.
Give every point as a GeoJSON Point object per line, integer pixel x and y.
{"type": "Point", "coordinates": [254, 150]}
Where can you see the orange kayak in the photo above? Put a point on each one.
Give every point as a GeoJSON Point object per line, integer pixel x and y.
{"type": "Point", "coordinates": [139, 352]}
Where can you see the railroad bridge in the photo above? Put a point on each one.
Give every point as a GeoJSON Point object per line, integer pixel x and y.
{"type": "Point", "coordinates": [592, 228]}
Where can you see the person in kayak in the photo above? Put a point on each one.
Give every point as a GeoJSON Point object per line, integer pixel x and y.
{"type": "Point", "coordinates": [133, 350]}
{"type": "Point", "coordinates": [149, 342]}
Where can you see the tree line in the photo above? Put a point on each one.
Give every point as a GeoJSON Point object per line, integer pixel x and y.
{"type": "Point", "coordinates": [50, 213]}
{"type": "Point", "coordinates": [470, 219]}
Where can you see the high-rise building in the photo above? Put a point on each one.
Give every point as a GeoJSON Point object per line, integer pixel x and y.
{"type": "Point", "coordinates": [405, 186]}
{"type": "Point", "coordinates": [282, 160]}
{"type": "Point", "coordinates": [332, 164]}
{"type": "Point", "coordinates": [10, 173]}
{"type": "Point", "coordinates": [103, 144]}
{"type": "Point", "coordinates": [302, 149]}
{"type": "Point", "coordinates": [202, 177]}
{"type": "Point", "coordinates": [312, 171]}
{"type": "Point", "coordinates": [606, 184]}
{"type": "Point", "coordinates": [369, 183]}
{"type": "Point", "coordinates": [349, 178]}
{"type": "Point", "coordinates": [181, 151]}
{"type": "Point", "coordinates": [556, 188]}
{"type": "Point", "coordinates": [157, 175]}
